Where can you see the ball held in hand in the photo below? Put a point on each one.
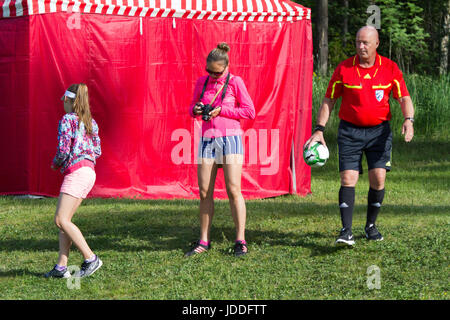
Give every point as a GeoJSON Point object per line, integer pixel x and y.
{"type": "Point", "coordinates": [317, 155]}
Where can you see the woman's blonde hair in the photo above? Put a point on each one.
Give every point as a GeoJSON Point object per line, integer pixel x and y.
{"type": "Point", "coordinates": [81, 105]}
{"type": "Point", "coordinates": [220, 53]}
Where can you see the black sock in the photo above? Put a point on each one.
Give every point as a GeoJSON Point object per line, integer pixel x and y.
{"type": "Point", "coordinates": [346, 203]}
{"type": "Point", "coordinates": [374, 201]}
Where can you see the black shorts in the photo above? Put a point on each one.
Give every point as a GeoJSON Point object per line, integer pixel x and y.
{"type": "Point", "coordinates": [375, 142]}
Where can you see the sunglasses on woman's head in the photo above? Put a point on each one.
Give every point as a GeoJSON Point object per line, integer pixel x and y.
{"type": "Point", "coordinates": [215, 73]}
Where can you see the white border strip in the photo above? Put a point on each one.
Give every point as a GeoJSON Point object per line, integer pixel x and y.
{"type": "Point", "coordinates": [277, 9]}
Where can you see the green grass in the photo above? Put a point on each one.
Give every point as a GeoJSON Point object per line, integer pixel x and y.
{"type": "Point", "coordinates": [290, 239]}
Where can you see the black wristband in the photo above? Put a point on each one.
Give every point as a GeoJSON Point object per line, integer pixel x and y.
{"type": "Point", "coordinates": [319, 128]}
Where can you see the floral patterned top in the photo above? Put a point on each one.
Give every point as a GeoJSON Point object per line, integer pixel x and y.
{"type": "Point", "coordinates": [74, 145]}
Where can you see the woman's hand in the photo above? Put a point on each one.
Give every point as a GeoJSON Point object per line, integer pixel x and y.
{"type": "Point", "coordinates": [198, 109]}
{"type": "Point", "coordinates": [215, 112]}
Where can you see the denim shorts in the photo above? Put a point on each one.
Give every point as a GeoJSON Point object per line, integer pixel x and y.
{"type": "Point", "coordinates": [216, 148]}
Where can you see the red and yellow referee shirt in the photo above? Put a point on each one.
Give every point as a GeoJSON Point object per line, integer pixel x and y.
{"type": "Point", "coordinates": [365, 91]}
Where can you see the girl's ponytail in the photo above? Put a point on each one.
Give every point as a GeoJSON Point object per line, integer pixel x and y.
{"type": "Point", "coordinates": [82, 108]}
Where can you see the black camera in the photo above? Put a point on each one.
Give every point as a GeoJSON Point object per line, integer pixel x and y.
{"type": "Point", "coordinates": [206, 109]}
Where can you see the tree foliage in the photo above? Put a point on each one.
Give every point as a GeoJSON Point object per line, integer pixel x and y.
{"type": "Point", "coordinates": [411, 31]}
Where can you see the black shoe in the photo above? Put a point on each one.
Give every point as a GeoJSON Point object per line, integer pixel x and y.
{"type": "Point", "coordinates": [240, 249]}
{"type": "Point", "coordinates": [197, 248]}
{"type": "Point", "coordinates": [372, 233]}
{"type": "Point", "coordinates": [345, 238]}
{"type": "Point", "coordinates": [54, 273]}
{"type": "Point", "coordinates": [88, 268]}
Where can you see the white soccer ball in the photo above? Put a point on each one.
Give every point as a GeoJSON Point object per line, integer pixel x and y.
{"type": "Point", "coordinates": [317, 155]}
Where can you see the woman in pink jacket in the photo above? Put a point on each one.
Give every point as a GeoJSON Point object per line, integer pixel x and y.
{"type": "Point", "coordinates": [221, 143]}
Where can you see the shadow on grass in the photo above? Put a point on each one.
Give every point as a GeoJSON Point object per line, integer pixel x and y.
{"type": "Point", "coordinates": [177, 238]}
{"type": "Point", "coordinates": [19, 272]}
{"type": "Point", "coordinates": [178, 244]}
{"type": "Point", "coordinates": [168, 229]}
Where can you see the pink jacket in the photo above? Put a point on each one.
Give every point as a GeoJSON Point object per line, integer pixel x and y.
{"type": "Point", "coordinates": [236, 105]}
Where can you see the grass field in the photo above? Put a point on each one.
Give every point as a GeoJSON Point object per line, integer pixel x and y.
{"type": "Point", "coordinates": [291, 238]}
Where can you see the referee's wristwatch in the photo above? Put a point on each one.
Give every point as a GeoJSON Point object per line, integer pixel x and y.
{"type": "Point", "coordinates": [410, 119]}
{"type": "Point", "coordinates": [319, 128]}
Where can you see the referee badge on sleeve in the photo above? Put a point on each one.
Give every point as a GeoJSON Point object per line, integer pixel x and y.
{"type": "Point", "coordinates": [379, 94]}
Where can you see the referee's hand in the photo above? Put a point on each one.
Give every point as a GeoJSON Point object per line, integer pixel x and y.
{"type": "Point", "coordinates": [317, 136]}
{"type": "Point", "coordinates": [408, 130]}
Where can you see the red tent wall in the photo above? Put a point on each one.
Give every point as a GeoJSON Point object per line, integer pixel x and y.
{"type": "Point", "coordinates": [140, 86]}
{"type": "Point", "coordinates": [15, 114]}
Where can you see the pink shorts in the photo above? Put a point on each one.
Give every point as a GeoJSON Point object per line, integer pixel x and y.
{"type": "Point", "coordinates": [79, 183]}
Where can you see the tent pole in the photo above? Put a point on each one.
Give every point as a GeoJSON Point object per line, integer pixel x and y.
{"type": "Point", "coordinates": [294, 178]}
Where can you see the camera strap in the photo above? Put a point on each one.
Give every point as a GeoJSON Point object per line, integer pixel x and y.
{"type": "Point", "coordinates": [224, 87]}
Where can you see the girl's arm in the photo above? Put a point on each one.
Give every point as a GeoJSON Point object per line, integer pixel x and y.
{"type": "Point", "coordinates": [246, 109]}
{"type": "Point", "coordinates": [96, 141]}
{"type": "Point", "coordinates": [64, 142]}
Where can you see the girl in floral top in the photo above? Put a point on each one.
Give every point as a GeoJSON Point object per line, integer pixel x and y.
{"type": "Point", "coordinates": [77, 151]}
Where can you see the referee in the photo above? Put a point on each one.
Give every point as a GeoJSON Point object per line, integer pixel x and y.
{"type": "Point", "coordinates": [365, 82]}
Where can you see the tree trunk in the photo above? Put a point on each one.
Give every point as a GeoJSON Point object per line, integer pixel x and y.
{"type": "Point", "coordinates": [322, 31]}
{"type": "Point", "coordinates": [345, 25]}
{"type": "Point", "coordinates": [444, 42]}
{"type": "Point", "coordinates": [390, 46]}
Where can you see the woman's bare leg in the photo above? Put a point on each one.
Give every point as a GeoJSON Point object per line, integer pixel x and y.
{"type": "Point", "coordinates": [232, 170]}
{"type": "Point", "coordinates": [206, 172]}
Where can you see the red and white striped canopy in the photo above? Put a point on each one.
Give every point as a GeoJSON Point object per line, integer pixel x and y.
{"type": "Point", "coordinates": [227, 10]}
